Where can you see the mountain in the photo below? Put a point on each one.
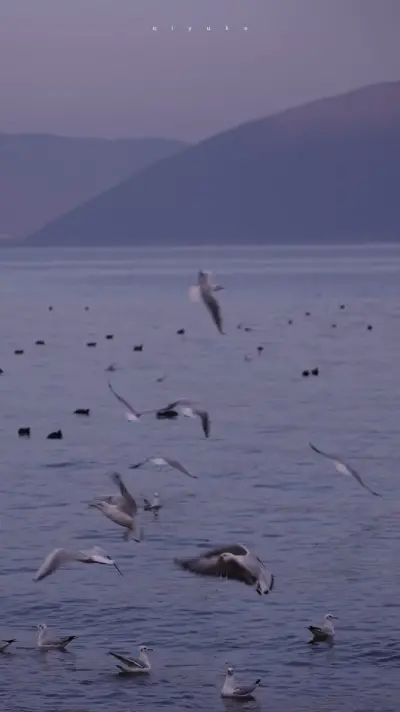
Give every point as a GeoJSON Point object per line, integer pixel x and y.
{"type": "Point", "coordinates": [43, 176]}
{"type": "Point", "coordinates": [327, 171]}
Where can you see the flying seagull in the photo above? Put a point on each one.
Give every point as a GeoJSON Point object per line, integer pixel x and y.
{"type": "Point", "coordinates": [153, 506]}
{"type": "Point", "coordinates": [121, 510]}
{"type": "Point", "coordinates": [5, 643]}
{"type": "Point", "coordinates": [164, 461]}
{"type": "Point", "coordinates": [139, 666]}
{"type": "Point", "coordinates": [324, 633]}
{"type": "Point", "coordinates": [344, 469]}
{"type": "Point", "coordinates": [46, 641]}
{"type": "Point", "coordinates": [59, 557]}
{"type": "Point", "coordinates": [194, 291]}
{"type": "Point", "coordinates": [132, 414]}
{"type": "Point", "coordinates": [187, 409]}
{"type": "Point", "coordinates": [205, 290]}
{"type": "Point", "coordinates": [233, 691]}
{"type": "Point", "coordinates": [231, 562]}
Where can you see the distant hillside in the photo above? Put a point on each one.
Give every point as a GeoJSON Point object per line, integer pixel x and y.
{"type": "Point", "coordinates": [326, 171]}
{"type": "Point", "coordinates": [43, 176]}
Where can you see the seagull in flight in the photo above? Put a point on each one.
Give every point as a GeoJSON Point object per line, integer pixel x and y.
{"type": "Point", "coordinates": [188, 410]}
{"type": "Point", "coordinates": [344, 469]}
{"type": "Point", "coordinates": [121, 510]}
{"type": "Point", "coordinates": [59, 557]}
{"type": "Point", "coordinates": [131, 415]}
{"type": "Point", "coordinates": [153, 506]}
{"type": "Point", "coordinates": [164, 461]}
{"type": "Point", "coordinates": [231, 562]}
{"type": "Point", "coordinates": [205, 291]}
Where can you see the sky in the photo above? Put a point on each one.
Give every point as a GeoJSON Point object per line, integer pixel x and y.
{"type": "Point", "coordinates": [97, 68]}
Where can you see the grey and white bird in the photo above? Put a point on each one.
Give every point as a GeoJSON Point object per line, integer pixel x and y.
{"type": "Point", "coordinates": [159, 461]}
{"type": "Point", "coordinates": [344, 469]}
{"type": "Point", "coordinates": [324, 633]}
{"type": "Point", "coordinates": [153, 506]}
{"type": "Point", "coordinates": [4, 644]}
{"type": "Point", "coordinates": [47, 641]}
{"type": "Point", "coordinates": [189, 410]}
{"type": "Point", "coordinates": [60, 557]}
{"type": "Point", "coordinates": [231, 562]}
{"type": "Point", "coordinates": [230, 689]}
{"type": "Point", "coordinates": [133, 666]}
{"type": "Point", "coordinates": [132, 415]}
{"type": "Point", "coordinates": [205, 291]}
{"type": "Point", "coordinates": [121, 510]}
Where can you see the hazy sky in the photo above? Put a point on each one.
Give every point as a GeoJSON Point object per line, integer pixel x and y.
{"type": "Point", "coordinates": [96, 67]}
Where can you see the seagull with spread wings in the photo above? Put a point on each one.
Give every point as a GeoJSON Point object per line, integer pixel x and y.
{"type": "Point", "coordinates": [231, 562]}
{"type": "Point", "coordinates": [344, 469]}
{"type": "Point", "coordinates": [205, 291]}
{"type": "Point", "coordinates": [122, 510]}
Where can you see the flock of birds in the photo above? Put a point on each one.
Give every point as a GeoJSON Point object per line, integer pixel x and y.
{"type": "Point", "coordinates": [235, 562]}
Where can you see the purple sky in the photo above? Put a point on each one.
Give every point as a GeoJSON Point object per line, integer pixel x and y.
{"type": "Point", "coordinates": [96, 68]}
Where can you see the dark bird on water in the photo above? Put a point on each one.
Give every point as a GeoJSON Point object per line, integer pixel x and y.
{"type": "Point", "coordinates": [82, 411]}
{"type": "Point", "coordinates": [109, 336]}
{"type": "Point", "coordinates": [91, 344]}
{"type": "Point", "coordinates": [305, 373]}
{"type": "Point", "coordinates": [40, 342]}
{"type": "Point", "coordinates": [138, 347]}
{"type": "Point", "coordinates": [181, 332]}
{"type": "Point", "coordinates": [315, 371]}
{"type": "Point", "coordinates": [231, 562]}
{"type": "Point", "coordinates": [18, 351]}
{"type": "Point", "coordinates": [55, 435]}
{"type": "Point", "coordinates": [24, 432]}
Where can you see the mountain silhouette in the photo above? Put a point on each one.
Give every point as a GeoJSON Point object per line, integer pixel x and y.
{"type": "Point", "coordinates": [327, 171]}
{"type": "Point", "coordinates": [43, 176]}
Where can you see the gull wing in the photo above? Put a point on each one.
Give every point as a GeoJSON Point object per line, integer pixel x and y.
{"type": "Point", "coordinates": [127, 661]}
{"type": "Point", "coordinates": [205, 421]}
{"type": "Point", "coordinates": [53, 561]}
{"type": "Point", "coordinates": [129, 506]}
{"type": "Point", "coordinates": [245, 690]}
{"type": "Point", "coordinates": [210, 564]}
{"type": "Point", "coordinates": [178, 466]}
{"type": "Point", "coordinates": [344, 467]}
{"type": "Point", "coordinates": [123, 401]}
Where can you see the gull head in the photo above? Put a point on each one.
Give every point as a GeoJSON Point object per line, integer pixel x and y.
{"type": "Point", "coordinates": [144, 649]}
{"type": "Point", "coordinates": [330, 617]}
{"type": "Point", "coordinates": [227, 556]}
{"type": "Point", "coordinates": [42, 626]}
{"type": "Point", "coordinates": [230, 671]}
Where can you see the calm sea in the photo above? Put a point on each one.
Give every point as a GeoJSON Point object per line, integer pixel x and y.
{"type": "Point", "coordinates": [331, 546]}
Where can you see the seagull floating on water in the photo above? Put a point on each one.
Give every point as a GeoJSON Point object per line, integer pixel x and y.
{"type": "Point", "coordinates": [204, 290]}
{"type": "Point", "coordinates": [139, 666]}
{"type": "Point", "coordinates": [4, 644]}
{"type": "Point", "coordinates": [122, 510]}
{"type": "Point", "coordinates": [231, 562]}
{"type": "Point", "coordinates": [164, 461]}
{"type": "Point", "coordinates": [46, 641]}
{"type": "Point", "coordinates": [324, 633]}
{"type": "Point", "coordinates": [344, 469]}
{"type": "Point", "coordinates": [237, 692]}
{"type": "Point", "coordinates": [59, 557]}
